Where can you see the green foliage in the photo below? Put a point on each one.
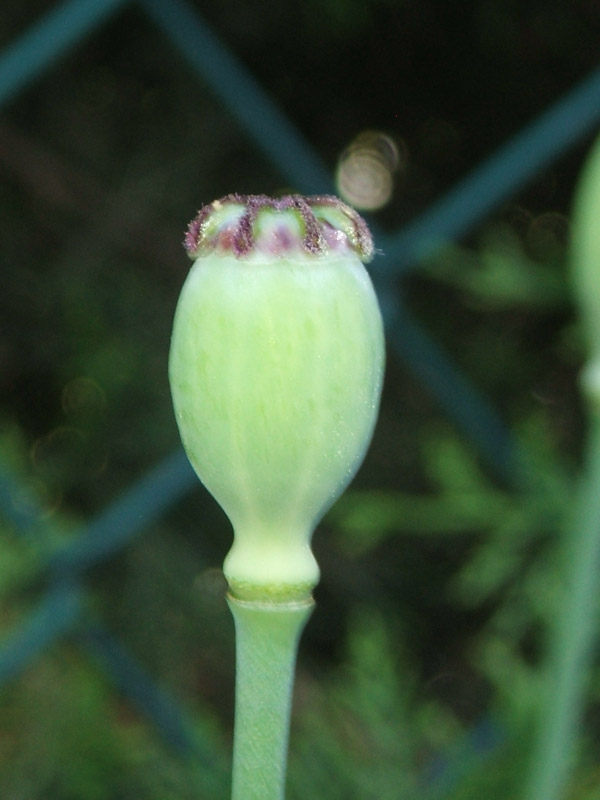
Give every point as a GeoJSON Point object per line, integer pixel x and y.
{"type": "Point", "coordinates": [363, 732]}
{"type": "Point", "coordinates": [66, 734]}
{"type": "Point", "coordinates": [510, 269]}
{"type": "Point", "coordinates": [59, 733]}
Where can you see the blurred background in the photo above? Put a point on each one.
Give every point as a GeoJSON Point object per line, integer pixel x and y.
{"type": "Point", "coordinates": [419, 672]}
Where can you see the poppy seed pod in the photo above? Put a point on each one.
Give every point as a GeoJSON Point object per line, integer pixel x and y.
{"type": "Point", "coordinates": [276, 369]}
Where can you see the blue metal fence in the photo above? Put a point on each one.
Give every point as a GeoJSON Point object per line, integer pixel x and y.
{"type": "Point", "coordinates": [62, 609]}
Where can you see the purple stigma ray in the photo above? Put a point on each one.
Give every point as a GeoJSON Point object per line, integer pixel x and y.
{"type": "Point", "coordinates": [239, 236]}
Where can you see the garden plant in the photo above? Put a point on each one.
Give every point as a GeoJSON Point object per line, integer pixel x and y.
{"type": "Point", "coordinates": [576, 623]}
{"type": "Point", "coordinates": [276, 371]}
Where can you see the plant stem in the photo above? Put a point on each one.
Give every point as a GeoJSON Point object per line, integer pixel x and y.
{"type": "Point", "coordinates": [571, 646]}
{"type": "Point", "coordinates": [267, 637]}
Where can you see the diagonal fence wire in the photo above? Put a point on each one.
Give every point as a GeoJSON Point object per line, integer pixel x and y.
{"type": "Point", "coordinates": [509, 169]}
{"type": "Point", "coordinates": [62, 608]}
{"type": "Point", "coordinates": [134, 682]}
{"type": "Point", "coordinates": [116, 526]}
{"type": "Point", "coordinates": [60, 29]}
{"type": "Point", "coordinates": [247, 102]}
{"type": "Point", "coordinates": [55, 616]}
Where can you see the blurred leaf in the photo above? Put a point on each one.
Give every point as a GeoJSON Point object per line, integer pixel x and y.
{"type": "Point", "coordinates": [500, 274]}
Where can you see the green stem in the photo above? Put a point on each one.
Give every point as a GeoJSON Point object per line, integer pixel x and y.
{"type": "Point", "coordinates": [571, 646]}
{"type": "Point", "coordinates": [267, 637]}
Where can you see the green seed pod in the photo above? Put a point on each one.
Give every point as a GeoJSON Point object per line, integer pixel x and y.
{"type": "Point", "coordinates": [276, 369]}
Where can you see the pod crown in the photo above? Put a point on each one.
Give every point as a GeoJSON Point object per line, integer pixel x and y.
{"type": "Point", "coordinates": [244, 224]}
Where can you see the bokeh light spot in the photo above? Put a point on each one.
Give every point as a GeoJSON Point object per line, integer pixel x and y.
{"type": "Point", "coordinates": [82, 396]}
{"type": "Point", "coordinates": [365, 172]}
